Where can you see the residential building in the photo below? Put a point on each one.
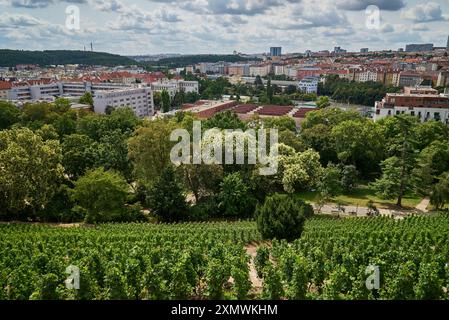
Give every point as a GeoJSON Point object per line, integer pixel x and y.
{"type": "Point", "coordinates": [424, 106]}
{"type": "Point", "coordinates": [307, 72]}
{"type": "Point", "coordinates": [261, 70]}
{"type": "Point", "coordinates": [140, 100]}
{"type": "Point", "coordinates": [39, 91]}
{"type": "Point", "coordinates": [308, 84]}
{"type": "Point", "coordinates": [279, 69]}
{"type": "Point", "coordinates": [409, 79]}
{"type": "Point", "coordinates": [365, 75]}
{"type": "Point", "coordinates": [364, 50]}
{"type": "Point", "coordinates": [238, 69]}
{"type": "Point", "coordinates": [443, 78]}
{"type": "Point", "coordinates": [418, 47]}
{"type": "Point", "coordinates": [173, 86]}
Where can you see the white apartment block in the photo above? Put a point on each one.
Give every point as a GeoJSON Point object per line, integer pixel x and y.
{"type": "Point", "coordinates": [279, 70]}
{"type": "Point", "coordinates": [308, 85]}
{"type": "Point", "coordinates": [174, 86]}
{"type": "Point", "coordinates": [367, 75]}
{"type": "Point", "coordinates": [43, 91]}
{"type": "Point", "coordinates": [140, 100]}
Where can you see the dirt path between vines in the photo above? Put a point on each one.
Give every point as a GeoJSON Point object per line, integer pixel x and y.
{"type": "Point", "coordinates": [251, 250]}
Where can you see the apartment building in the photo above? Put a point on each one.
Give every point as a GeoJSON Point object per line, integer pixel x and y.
{"type": "Point", "coordinates": [443, 78]}
{"type": "Point", "coordinates": [424, 106]}
{"type": "Point", "coordinates": [308, 84]}
{"type": "Point", "coordinates": [365, 76]}
{"type": "Point", "coordinates": [261, 70]}
{"type": "Point", "coordinates": [409, 79]}
{"type": "Point", "coordinates": [238, 69]}
{"type": "Point", "coordinates": [279, 69]}
{"type": "Point", "coordinates": [174, 86]}
{"type": "Point", "coordinates": [140, 100]}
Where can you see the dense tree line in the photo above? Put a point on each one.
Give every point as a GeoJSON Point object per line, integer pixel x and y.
{"type": "Point", "coordinates": [364, 93]}
{"type": "Point", "coordinates": [182, 61]}
{"type": "Point", "coordinates": [52, 158]}
{"type": "Point", "coordinates": [11, 58]}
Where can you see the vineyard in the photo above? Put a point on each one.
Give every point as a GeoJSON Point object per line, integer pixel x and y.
{"type": "Point", "coordinates": [209, 260]}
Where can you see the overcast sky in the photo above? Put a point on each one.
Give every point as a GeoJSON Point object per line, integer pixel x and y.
{"type": "Point", "coordinates": [221, 26]}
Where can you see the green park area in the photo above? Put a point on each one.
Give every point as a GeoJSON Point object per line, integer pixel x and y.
{"type": "Point", "coordinates": [360, 196]}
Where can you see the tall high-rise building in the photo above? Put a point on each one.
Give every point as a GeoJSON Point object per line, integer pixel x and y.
{"type": "Point", "coordinates": [275, 51]}
{"type": "Point", "coordinates": [447, 44]}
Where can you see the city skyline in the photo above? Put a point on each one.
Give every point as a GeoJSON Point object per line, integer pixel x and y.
{"type": "Point", "coordinates": [141, 27]}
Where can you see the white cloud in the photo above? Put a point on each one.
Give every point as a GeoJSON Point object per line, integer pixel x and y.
{"type": "Point", "coordinates": [427, 12]}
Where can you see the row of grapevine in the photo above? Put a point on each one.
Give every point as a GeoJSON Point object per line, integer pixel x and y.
{"type": "Point", "coordinates": [331, 259]}
{"type": "Point", "coordinates": [209, 261]}
{"type": "Point", "coordinates": [126, 261]}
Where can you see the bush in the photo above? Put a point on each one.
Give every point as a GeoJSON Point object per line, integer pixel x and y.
{"type": "Point", "coordinates": [207, 208]}
{"type": "Point", "coordinates": [282, 217]}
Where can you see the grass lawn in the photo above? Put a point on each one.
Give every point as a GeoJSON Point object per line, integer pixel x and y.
{"type": "Point", "coordinates": [361, 195]}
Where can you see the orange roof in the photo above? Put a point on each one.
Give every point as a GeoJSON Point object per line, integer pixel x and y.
{"type": "Point", "coordinates": [5, 85]}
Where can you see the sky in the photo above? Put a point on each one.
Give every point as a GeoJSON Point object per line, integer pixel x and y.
{"type": "Point", "coordinates": [137, 27]}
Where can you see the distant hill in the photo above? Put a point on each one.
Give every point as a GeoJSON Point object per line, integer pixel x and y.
{"type": "Point", "coordinates": [175, 62]}
{"type": "Point", "coordinates": [11, 58]}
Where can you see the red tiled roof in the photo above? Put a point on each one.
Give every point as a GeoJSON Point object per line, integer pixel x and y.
{"type": "Point", "coordinates": [5, 85]}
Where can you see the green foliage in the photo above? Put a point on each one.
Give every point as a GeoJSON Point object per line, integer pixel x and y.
{"type": "Point", "coordinates": [235, 198]}
{"type": "Point", "coordinates": [389, 184]}
{"type": "Point", "coordinates": [283, 123]}
{"type": "Point", "coordinates": [165, 197]}
{"type": "Point", "coordinates": [165, 101]}
{"type": "Point", "coordinates": [330, 184]}
{"type": "Point", "coordinates": [176, 62]}
{"type": "Point", "coordinates": [431, 162]}
{"type": "Point", "coordinates": [196, 260]}
{"type": "Point", "coordinates": [349, 177]}
{"type": "Point", "coordinates": [30, 171]}
{"type": "Point", "coordinates": [102, 194]}
{"type": "Point", "coordinates": [261, 260]}
{"type": "Point", "coordinates": [149, 149]}
{"type": "Point", "coordinates": [299, 170]}
{"type": "Point", "coordinates": [282, 217]}
{"type": "Point", "coordinates": [9, 115]}
{"type": "Point", "coordinates": [224, 120]}
{"type": "Point", "coordinates": [79, 154]}
{"type": "Point", "coordinates": [439, 195]}
{"type": "Point", "coordinates": [359, 142]}
{"type": "Point", "coordinates": [87, 98]}
{"type": "Point", "coordinates": [11, 58]}
{"type": "Point", "coordinates": [364, 93]}
{"type": "Point", "coordinates": [272, 284]}
{"type": "Point", "coordinates": [323, 102]}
